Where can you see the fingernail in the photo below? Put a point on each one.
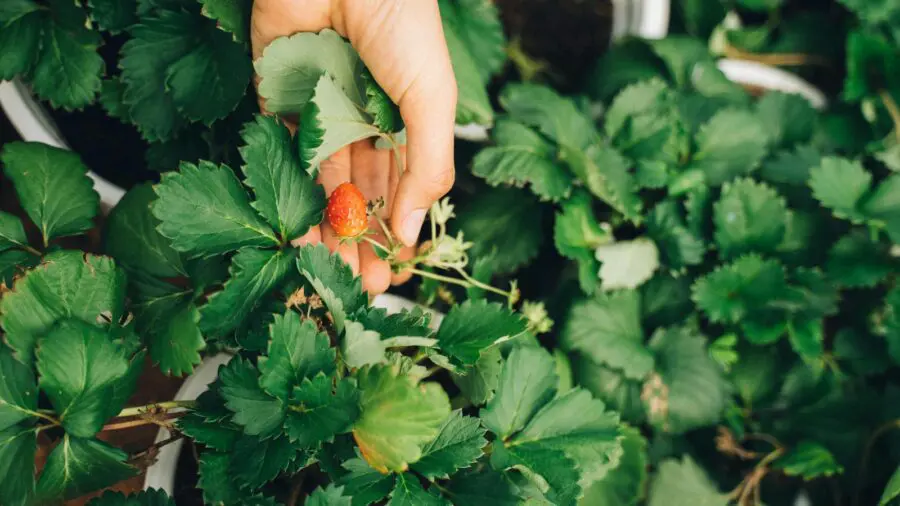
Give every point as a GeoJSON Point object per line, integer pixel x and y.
{"type": "Point", "coordinates": [412, 225]}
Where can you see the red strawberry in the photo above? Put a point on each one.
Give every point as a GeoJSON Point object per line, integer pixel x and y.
{"type": "Point", "coordinates": [346, 211]}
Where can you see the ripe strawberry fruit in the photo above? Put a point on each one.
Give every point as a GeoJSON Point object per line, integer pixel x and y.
{"type": "Point", "coordinates": [346, 211]}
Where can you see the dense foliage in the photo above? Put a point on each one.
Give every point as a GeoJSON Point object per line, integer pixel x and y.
{"type": "Point", "coordinates": [720, 264]}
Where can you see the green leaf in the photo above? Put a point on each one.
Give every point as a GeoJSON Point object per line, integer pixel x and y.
{"type": "Point", "coordinates": [643, 122]}
{"type": "Point", "coordinates": [607, 328]}
{"type": "Point", "coordinates": [53, 188]}
{"type": "Point", "coordinates": [522, 157]}
{"type": "Point", "coordinates": [18, 391]}
{"type": "Point", "coordinates": [749, 216]}
{"type": "Point", "coordinates": [80, 366]}
{"type": "Point", "coordinates": [361, 346]}
{"type": "Point", "coordinates": [78, 466]}
{"type": "Point", "coordinates": [473, 104]}
{"type": "Point", "coordinates": [809, 460]}
{"type": "Point", "coordinates": [68, 284]}
{"type": "Point", "coordinates": [68, 67]}
{"type": "Point", "coordinates": [113, 16]}
{"type": "Point", "coordinates": [477, 24]}
{"type": "Point", "coordinates": [605, 174]}
{"type": "Point", "coordinates": [365, 484]}
{"type": "Point", "coordinates": [678, 246]}
{"type": "Point", "coordinates": [470, 328]}
{"type": "Point", "coordinates": [891, 490]}
{"type": "Point", "coordinates": [132, 239]}
{"type": "Point", "coordinates": [684, 483]}
{"type": "Point", "coordinates": [855, 261]}
{"type": "Point", "coordinates": [555, 116]}
{"type": "Point", "coordinates": [732, 143]}
{"type": "Point", "coordinates": [335, 121]}
{"type": "Point", "coordinates": [18, 445]}
{"type": "Point", "coordinates": [20, 41]}
{"type": "Point", "coordinates": [551, 470]}
{"type": "Point", "coordinates": [216, 435]}
{"type": "Point", "coordinates": [215, 481]}
{"type": "Point", "coordinates": [296, 351]}
{"type": "Point", "coordinates": [232, 16]}
{"type": "Point", "coordinates": [458, 444]}
{"type": "Point", "coordinates": [627, 264]}
{"type": "Point", "coordinates": [503, 219]}
{"type": "Point", "coordinates": [611, 386]}
{"type": "Point", "coordinates": [385, 113]}
{"type": "Point", "coordinates": [291, 68]}
{"type": "Point", "coordinates": [789, 118]}
{"type": "Point", "coordinates": [285, 195]}
{"type": "Point", "coordinates": [175, 340]}
{"type": "Point", "coordinates": [624, 485]}
{"type": "Point", "coordinates": [329, 496]}
{"type": "Point", "coordinates": [481, 488]}
{"type": "Point", "coordinates": [791, 167]}
{"type": "Point", "coordinates": [527, 382]}
{"type": "Point", "coordinates": [415, 322]}
{"type": "Point", "coordinates": [839, 184]}
{"type": "Point", "coordinates": [255, 461]}
{"type": "Point", "coordinates": [258, 412]}
{"type": "Point", "coordinates": [12, 234]}
{"type": "Point", "coordinates": [398, 417]}
{"type": "Point", "coordinates": [479, 382]}
{"type": "Point", "coordinates": [732, 291]}
{"type": "Point", "coordinates": [319, 409]}
{"type": "Point", "coordinates": [577, 233]}
{"type": "Point", "coordinates": [204, 211]}
{"type": "Point", "coordinates": [333, 280]}
{"type": "Point", "coordinates": [254, 273]}
{"type": "Point", "coordinates": [408, 491]}
{"type": "Point", "coordinates": [688, 389]}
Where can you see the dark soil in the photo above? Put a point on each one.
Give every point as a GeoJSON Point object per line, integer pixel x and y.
{"type": "Point", "coordinates": [186, 492]}
{"type": "Point", "coordinates": [568, 34]}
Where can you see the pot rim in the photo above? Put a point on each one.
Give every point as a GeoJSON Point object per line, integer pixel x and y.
{"type": "Point", "coordinates": [751, 73]}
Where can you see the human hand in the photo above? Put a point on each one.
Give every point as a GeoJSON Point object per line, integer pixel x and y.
{"type": "Point", "coordinates": [402, 43]}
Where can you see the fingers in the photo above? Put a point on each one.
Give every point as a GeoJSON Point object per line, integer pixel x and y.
{"type": "Point", "coordinates": [332, 173]}
{"type": "Point", "coordinates": [407, 252]}
{"type": "Point", "coordinates": [402, 43]}
{"type": "Point", "coordinates": [271, 19]}
{"type": "Point", "coordinates": [371, 174]}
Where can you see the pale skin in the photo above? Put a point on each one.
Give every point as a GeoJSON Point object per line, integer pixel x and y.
{"type": "Point", "coordinates": [402, 44]}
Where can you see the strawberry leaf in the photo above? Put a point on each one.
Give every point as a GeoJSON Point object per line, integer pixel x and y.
{"type": "Point", "coordinates": [553, 115]}
{"type": "Point", "coordinates": [458, 444]}
{"type": "Point", "coordinates": [361, 346]}
{"type": "Point", "coordinates": [473, 103]}
{"type": "Point", "coordinates": [604, 171]}
{"type": "Point", "coordinates": [365, 484]}
{"type": "Point", "coordinates": [550, 467]}
{"type": "Point", "coordinates": [527, 381]}
{"type": "Point", "coordinates": [232, 16]}
{"type": "Point", "coordinates": [53, 188]}
{"type": "Point", "coordinates": [285, 196]}
{"type": "Point", "coordinates": [789, 118]}
{"type": "Point", "coordinates": [627, 264]}
{"type": "Point", "coordinates": [749, 217]}
{"type": "Point", "coordinates": [840, 184]}
{"type": "Point", "coordinates": [56, 290]}
{"type": "Point", "coordinates": [472, 327]}
{"type": "Point", "coordinates": [173, 336]}
{"type": "Point", "coordinates": [113, 16]}
{"type": "Point", "coordinates": [150, 497]}
{"type": "Point", "coordinates": [398, 417]}
{"type": "Point", "coordinates": [479, 382]}
{"type": "Point", "coordinates": [856, 261]}
{"type": "Point", "coordinates": [81, 368]}
{"type": "Point", "coordinates": [319, 409]}
{"type": "Point", "coordinates": [522, 157]}
{"type": "Point", "coordinates": [384, 112]}
{"type": "Point", "coordinates": [291, 68]}
{"type": "Point", "coordinates": [678, 246]}
{"type": "Point", "coordinates": [732, 291]}
{"type": "Point", "coordinates": [78, 466]}
{"type": "Point", "coordinates": [254, 273]}
{"type": "Point", "coordinates": [258, 412]}
{"type": "Point", "coordinates": [408, 491]}
{"type": "Point", "coordinates": [297, 351]}
{"type": "Point", "coordinates": [732, 143]}
{"type": "Point", "coordinates": [215, 480]}
{"type": "Point", "coordinates": [607, 328]}
{"type": "Point", "coordinates": [20, 40]}
{"type": "Point", "coordinates": [624, 485]}
{"type": "Point", "coordinates": [332, 280]}
{"type": "Point", "coordinates": [328, 496]}
{"type": "Point", "coordinates": [18, 446]}
{"type": "Point", "coordinates": [485, 487]}
{"type": "Point", "coordinates": [204, 211]}
{"type": "Point", "coordinates": [133, 240]}
{"type": "Point", "coordinates": [577, 233]}
{"type": "Point", "coordinates": [477, 24]}
{"type": "Point", "coordinates": [18, 391]}
{"type": "Point", "coordinates": [684, 483]}
{"type": "Point", "coordinates": [255, 461]}
{"type": "Point", "coordinates": [12, 234]}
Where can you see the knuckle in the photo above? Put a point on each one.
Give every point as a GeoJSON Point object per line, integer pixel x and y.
{"type": "Point", "coordinates": [442, 181]}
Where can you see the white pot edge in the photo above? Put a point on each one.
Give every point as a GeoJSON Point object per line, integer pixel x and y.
{"type": "Point", "coordinates": [161, 475]}
{"type": "Point", "coordinates": [34, 124]}
{"type": "Point", "coordinates": [771, 78]}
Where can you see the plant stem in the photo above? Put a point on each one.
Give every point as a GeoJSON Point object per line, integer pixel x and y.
{"type": "Point", "coordinates": [129, 424]}
{"type": "Point", "coordinates": [863, 465]}
{"type": "Point", "coordinates": [43, 414]}
{"type": "Point", "coordinates": [456, 281]}
{"type": "Point", "coordinates": [156, 446]}
{"type": "Point", "coordinates": [776, 59]}
{"type": "Point", "coordinates": [376, 244]}
{"type": "Point", "coordinates": [481, 285]}
{"type": "Point", "coordinates": [892, 109]}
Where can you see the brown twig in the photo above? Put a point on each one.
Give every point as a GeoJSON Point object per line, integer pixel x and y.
{"type": "Point", "coordinates": [776, 59]}
{"type": "Point", "coordinates": [151, 419]}
{"type": "Point", "coordinates": [892, 109]}
{"type": "Point", "coordinates": [863, 465]}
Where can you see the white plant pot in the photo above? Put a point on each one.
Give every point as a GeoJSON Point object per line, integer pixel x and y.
{"type": "Point", "coordinates": [749, 73]}
{"type": "Point", "coordinates": [161, 475]}
{"type": "Point", "coordinates": [33, 123]}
